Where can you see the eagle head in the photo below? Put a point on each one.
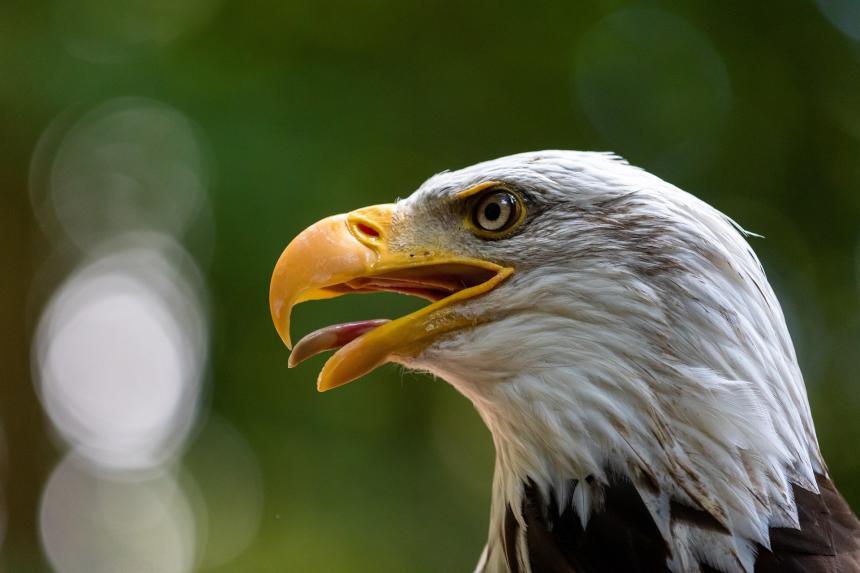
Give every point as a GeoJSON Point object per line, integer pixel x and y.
{"type": "Point", "coordinates": [614, 333]}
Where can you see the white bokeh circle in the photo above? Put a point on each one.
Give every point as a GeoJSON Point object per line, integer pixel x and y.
{"type": "Point", "coordinates": [119, 355]}
{"type": "Point", "coordinates": [91, 524]}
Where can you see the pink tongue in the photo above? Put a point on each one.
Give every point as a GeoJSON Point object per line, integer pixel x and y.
{"type": "Point", "coordinates": [331, 337]}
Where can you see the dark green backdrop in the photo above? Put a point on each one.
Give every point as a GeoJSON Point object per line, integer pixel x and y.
{"type": "Point", "coordinates": [309, 108]}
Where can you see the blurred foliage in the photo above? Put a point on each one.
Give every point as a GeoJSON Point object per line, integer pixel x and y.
{"type": "Point", "coordinates": [311, 108]}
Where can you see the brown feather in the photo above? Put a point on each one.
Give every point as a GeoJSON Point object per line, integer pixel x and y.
{"type": "Point", "coordinates": [623, 537]}
{"type": "Point", "coordinates": [828, 538]}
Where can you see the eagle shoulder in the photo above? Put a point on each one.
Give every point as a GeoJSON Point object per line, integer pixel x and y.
{"type": "Point", "coordinates": [622, 535]}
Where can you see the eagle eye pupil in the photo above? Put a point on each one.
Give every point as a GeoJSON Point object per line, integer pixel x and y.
{"type": "Point", "coordinates": [497, 211]}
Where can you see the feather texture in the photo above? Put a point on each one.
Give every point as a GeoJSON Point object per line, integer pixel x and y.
{"type": "Point", "coordinates": [623, 537]}
{"type": "Point", "coordinates": [637, 377]}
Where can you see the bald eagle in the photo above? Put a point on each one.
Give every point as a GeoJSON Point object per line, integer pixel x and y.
{"type": "Point", "coordinates": [621, 342]}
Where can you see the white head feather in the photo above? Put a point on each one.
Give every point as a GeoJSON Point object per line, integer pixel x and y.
{"type": "Point", "coordinates": [638, 339]}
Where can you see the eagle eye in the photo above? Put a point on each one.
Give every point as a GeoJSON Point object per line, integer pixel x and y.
{"type": "Point", "coordinates": [497, 212]}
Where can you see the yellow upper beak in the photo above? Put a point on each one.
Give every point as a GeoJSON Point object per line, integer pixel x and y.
{"type": "Point", "coordinates": [350, 253]}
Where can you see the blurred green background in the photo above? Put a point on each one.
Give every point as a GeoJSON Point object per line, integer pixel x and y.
{"type": "Point", "coordinates": [223, 128]}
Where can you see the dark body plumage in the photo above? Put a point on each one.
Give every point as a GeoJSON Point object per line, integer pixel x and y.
{"type": "Point", "coordinates": [622, 537]}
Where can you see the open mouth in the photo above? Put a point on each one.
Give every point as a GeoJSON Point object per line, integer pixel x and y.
{"type": "Point", "coordinates": [351, 253]}
{"type": "Point", "coordinates": [431, 282]}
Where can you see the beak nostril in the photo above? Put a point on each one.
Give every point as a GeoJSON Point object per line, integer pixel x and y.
{"type": "Point", "coordinates": [367, 230]}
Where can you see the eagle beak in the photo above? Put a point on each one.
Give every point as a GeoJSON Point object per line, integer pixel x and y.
{"type": "Point", "coordinates": [351, 253]}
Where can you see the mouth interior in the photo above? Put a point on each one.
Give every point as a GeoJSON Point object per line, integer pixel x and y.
{"type": "Point", "coordinates": [430, 282]}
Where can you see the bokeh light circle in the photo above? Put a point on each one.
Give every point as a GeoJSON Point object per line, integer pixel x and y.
{"type": "Point", "coordinates": [130, 164]}
{"type": "Point", "coordinates": [654, 87]}
{"type": "Point", "coordinates": [89, 523]}
{"type": "Point", "coordinates": [100, 32]}
{"type": "Point", "coordinates": [119, 354]}
{"type": "Point", "coordinates": [222, 463]}
{"type": "Point", "coordinates": [844, 15]}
